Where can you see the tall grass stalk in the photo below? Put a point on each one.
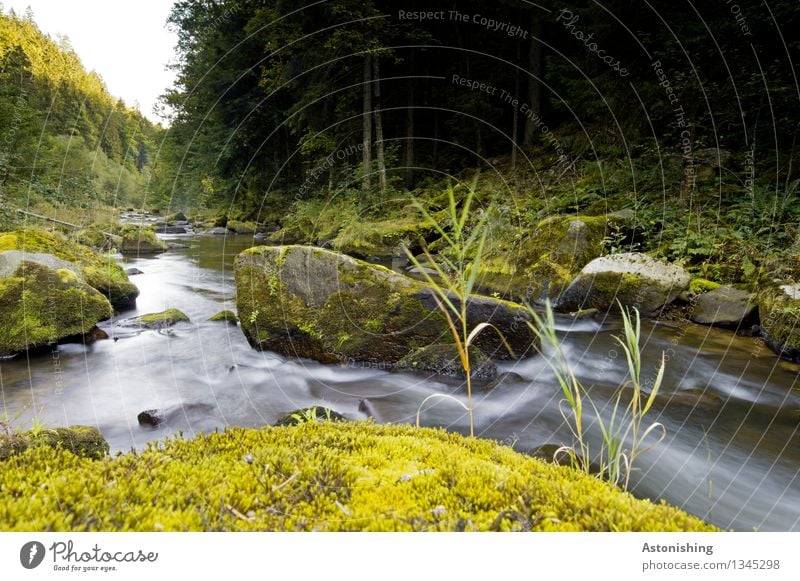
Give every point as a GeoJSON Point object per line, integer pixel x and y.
{"type": "Point", "coordinates": [625, 432]}
{"type": "Point", "coordinates": [456, 268]}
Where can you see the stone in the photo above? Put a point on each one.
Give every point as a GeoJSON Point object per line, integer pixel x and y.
{"type": "Point", "coordinates": [40, 306]}
{"type": "Point", "coordinates": [227, 316]}
{"type": "Point", "coordinates": [779, 311]}
{"type": "Point", "coordinates": [83, 441]}
{"type": "Point", "coordinates": [156, 321]}
{"type": "Point", "coordinates": [444, 360]}
{"type": "Point", "coordinates": [724, 306]}
{"type": "Point", "coordinates": [302, 301]}
{"type": "Point", "coordinates": [634, 279]}
{"type": "Point", "coordinates": [133, 271]}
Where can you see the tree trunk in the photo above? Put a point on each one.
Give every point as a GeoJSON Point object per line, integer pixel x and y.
{"type": "Point", "coordinates": [366, 183]}
{"type": "Point", "coordinates": [410, 127]}
{"type": "Point", "coordinates": [379, 124]}
{"type": "Point", "coordinates": [535, 67]}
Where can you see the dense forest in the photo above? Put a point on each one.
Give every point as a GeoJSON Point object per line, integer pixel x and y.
{"type": "Point", "coordinates": [66, 142]}
{"type": "Point", "coordinates": [570, 107]}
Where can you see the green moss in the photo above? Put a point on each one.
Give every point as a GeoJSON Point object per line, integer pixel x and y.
{"type": "Point", "coordinates": [327, 476]}
{"type": "Point", "coordinates": [159, 320]}
{"type": "Point", "coordinates": [39, 306]}
{"type": "Point", "coordinates": [701, 285]}
{"type": "Point", "coordinates": [364, 237]}
{"type": "Point", "coordinates": [141, 241]}
{"type": "Point", "coordinates": [780, 320]}
{"type": "Point", "coordinates": [444, 360]}
{"type": "Point", "coordinates": [227, 316]}
{"type": "Point", "coordinates": [82, 441]}
{"type": "Point", "coordinates": [100, 271]}
{"type": "Point", "coordinates": [549, 256]}
{"type": "Point", "coordinates": [242, 227]}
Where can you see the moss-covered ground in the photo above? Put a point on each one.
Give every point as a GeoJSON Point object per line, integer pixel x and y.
{"type": "Point", "coordinates": [326, 476]}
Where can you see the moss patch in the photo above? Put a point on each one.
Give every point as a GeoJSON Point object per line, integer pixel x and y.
{"type": "Point", "coordinates": [100, 271]}
{"type": "Point", "coordinates": [326, 476]}
{"type": "Point", "coordinates": [82, 441]}
{"type": "Point", "coordinates": [160, 320]}
{"type": "Point", "coordinates": [141, 241]}
{"type": "Point", "coordinates": [227, 316]}
{"type": "Point", "coordinates": [39, 306]}
{"type": "Point", "coordinates": [780, 320]}
{"type": "Point", "coordinates": [242, 227]}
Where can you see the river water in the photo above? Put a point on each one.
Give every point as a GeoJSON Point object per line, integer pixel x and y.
{"type": "Point", "coordinates": [731, 409]}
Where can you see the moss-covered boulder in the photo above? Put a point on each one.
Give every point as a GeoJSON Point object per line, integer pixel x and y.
{"type": "Point", "coordinates": [99, 271]}
{"type": "Point", "coordinates": [326, 476]}
{"type": "Point", "coordinates": [40, 306]}
{"type": "Point", "coordinates": [444, 360]}
{"type": "Point", "coordinates": [239, 227]}
{"type": "Point", "coordinates": [545, 259]}
{"type": "Point", "coordinates": [634, 279]}
{"type": "Point", "coordinates": [382, 238]}
{"type": "Point", "coordinates": [309, 302]}
{"type": "Point", "coordinates": [141, 241]}
{"type": "Point", "coordinates": [156, 321]}
{"type": "Point", "coordinates": [724, 306]}
{"type": "Point", "coordinates": [226, 316]}
{"type": "Point", "coordinates": [82, 441]}
{"type": "Point", "coordinates": [779, 311]}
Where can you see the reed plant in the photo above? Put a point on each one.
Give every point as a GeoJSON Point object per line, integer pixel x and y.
{"type": "Point", "coordinates": [624, 432]}
{"type": "Point", "coordinates": [456, 267]}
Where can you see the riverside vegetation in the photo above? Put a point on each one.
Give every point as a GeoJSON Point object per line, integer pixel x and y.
{"type": "Point", "coordinates": [597, 218]}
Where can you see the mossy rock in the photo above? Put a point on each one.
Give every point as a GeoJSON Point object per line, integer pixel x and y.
{"type": "Point", "coordinates": [779, 311]}
{"type": "Point", "coordinates": [444, 360]}
{"type": "Point", "coordinates": [632, 279]}
{"type": "Point", "coordinates": [309, 302]}
{"type": "Point", "coordinates": [40, 306]}
{"type": "Point", "coordinates": [99, 271]}
{"type": "Point", "coordinates": [547, 258]}
{"type": "Point", "coordinates": [141, 241]}
{"type": "Point", "coordinates": [83, 441]}
{"type": "Point", "coordinates": [177, 217]}
{"type": "Point", "coordinates": [240, 227]}
{"type": "Point", "coordinates": [157, 321]}
{"type": "Point", "coordinates": [312, 414]}
{"type": "Point", "coordinates": [382, 238]}
{"type": "Point", "coordinates": [322, 476]}
{"type": "Point", "coordinates": [724, 306]}
{"type": "Point", "coordinates": [227, 316]}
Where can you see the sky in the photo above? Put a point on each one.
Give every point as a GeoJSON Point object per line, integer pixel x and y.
{"type": "Point", "coordinates": [125, 41]}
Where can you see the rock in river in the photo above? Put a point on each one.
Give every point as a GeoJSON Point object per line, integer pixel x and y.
{"type": "Point", "coordinates": [724, 306]}
{"type": "Point", "coordinates": [779, 310]}
{"type": "Point", "coordinates": [156, 321]}
{"type": "Point", "coordinates": [308, 302]}
{"type": "Point", "coordinates": [444, 360]}
{"type": "Point", "coordinates": [635, 279]}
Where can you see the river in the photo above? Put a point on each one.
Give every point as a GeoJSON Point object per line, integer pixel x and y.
{"type": "Point", "coordinates": [731, 453]}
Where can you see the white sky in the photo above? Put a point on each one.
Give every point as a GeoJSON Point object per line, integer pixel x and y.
{"type": "Point", "coordinates": [125, 41]}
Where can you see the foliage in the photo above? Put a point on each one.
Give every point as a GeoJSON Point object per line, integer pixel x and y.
{"type": "Point", "coordinates": [623, 433]}
{"type": "Point", "coordinates": [327, 476]}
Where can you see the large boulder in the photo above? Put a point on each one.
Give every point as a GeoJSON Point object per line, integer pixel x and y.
{"type": "Point", "coordinates": [779, 311]}
{"type": "Point", "coordinates": [40, 306]}
{"type": "Point", "coordinates": [309, 302]}
{"type": "Point", "coordinates": [99, 271]}
{"type": "Point", "coordinates": [724, 306]}
{"type": "Point", "coordinates": [633, 279]}
{"type": "Point", "coordinates": [547, 258]}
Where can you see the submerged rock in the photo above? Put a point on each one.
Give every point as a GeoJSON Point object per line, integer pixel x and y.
{"type": "Point", "coordinates": [157, 416]}
{"type": "Point", "coordinates": [779, 311]}
{"type": "Point", "coordinates": [99, 271]}
{"type": "Point", "coordinates": [724, 306]}
{"type": "Point", "coordinates": [156, 321]}
{"type": "Point", "coordinates": [633, 279]}
{"type": "Point", "coordinates": [309, 302]}
{"type": "Point", "coordinates": [40, 306]}
{"type": "Point", "coordinates": [133, 271]}
{"type": "Point", "coordinates": [80, 440]}
{"type": "Point", "coordinates": [444, 360]}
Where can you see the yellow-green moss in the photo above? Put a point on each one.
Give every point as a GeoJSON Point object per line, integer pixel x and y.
{"type": "Point", "coordinates": [141, 241]}
{"type": "Point", "coordinates": [780, 321]}
{"type": "Point", "coordinates": [159, 320]}
{"type": "Point", "coordinates": [326, 476]}
{"type": "Point", "coordinates": [39, 306]}
{"type": "Point", "coordinates": [80, 440]}
{"type": "Point", "coordinates": [242, 227]}
{"type": "Point", "coordinates": [364, 237]}
{"type": "Point", "coordinates": [227, 316]}
{"type": "Point", "coordinates": [701, 285]}
{"type": "Point", "coordinates": [100, 271]}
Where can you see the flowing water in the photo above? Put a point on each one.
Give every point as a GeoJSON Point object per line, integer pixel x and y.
{"type": "Point", "coordinates": [731, 409]}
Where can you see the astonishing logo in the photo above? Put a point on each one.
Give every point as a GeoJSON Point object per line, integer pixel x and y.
{"type": "Point", "coordinates": [31, 554]}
